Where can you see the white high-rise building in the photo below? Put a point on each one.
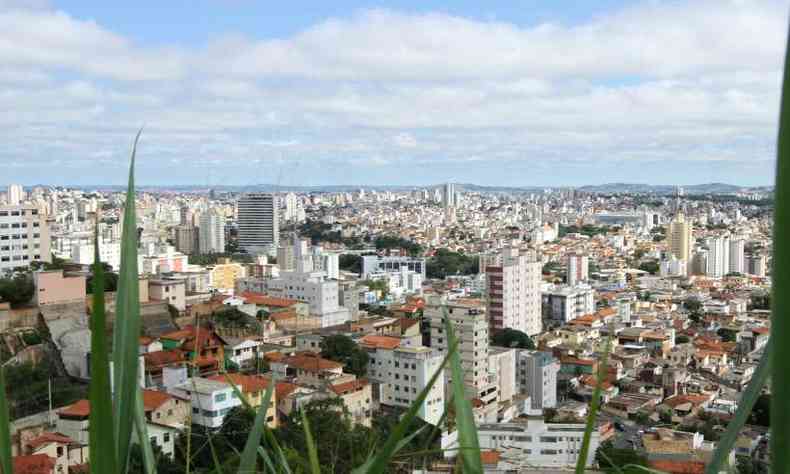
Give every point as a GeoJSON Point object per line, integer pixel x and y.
{"type": "Point", "coordinates": [537, 377]}
{"type": "Point", "coordinates": [109, 253]}
{"type": "Point", "coordinates": [514, 299]}
{"type": "Point", "coordinates": [24, 237]}
{"type": "Point", "coordinates": [16, 194]}
{"type": "Point", "coordinates": [291, 207]}
{"type": "Point", "coordinates": [449, 196]}
{"type": "Point", "coordinates": [212, 233]}
{"type": "Point", "coordinates": [718, 263]}
{"type": "Point", "coordinates": [737, 256]}
{"type": "Point", "coordinates": [561, 304]}
{"type": "Point", "coordinates": [578, 268]}
{"type": "Point", "coordinates": [259, 227]}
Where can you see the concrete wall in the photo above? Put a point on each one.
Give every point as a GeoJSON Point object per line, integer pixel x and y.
{"type": "Point", "coordinates": [53, 288]}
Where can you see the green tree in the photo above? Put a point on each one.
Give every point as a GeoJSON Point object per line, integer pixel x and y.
{"type": "Point", "coordinates": [650, 266]}
{"type": "Point", "coordinates": [682, 339]}
{"type": "Point", "coordinates": [164, 464]}
{"type": "Point", "coordinates": [446, 262]}
{"type": "Point", "coordinates": [236, 427]}
{"type": "Point", "coordinates": [18, 290]}
{"type": "Point", "coordinates": [609, 457]}
{"type": "Point", "coordinates": [110, 282]}
{"type": "Point", "coordinates": [513, 338]}
{"type": "Point", "coordinates": [761, 413]}
{"type": "Point", "coordinates": [395, 242]}
{"type": "Point", "coordinates": [350, 263]}
{"type": "Point", "coordinates": [343, 349]}
{"type": "Point", "coordinates": [727, 335]}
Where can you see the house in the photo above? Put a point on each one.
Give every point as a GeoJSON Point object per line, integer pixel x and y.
{"type": "Point", "coordinates": [307, 367]}
{"type": "Point", "coordinates": [162, 436]}
{"type": "Point", "coordinates": [685, 405]}
{"type": "Point", "coordinates": [356, 396]}
{"type": "Point", "coordinates": [166, 409]}
{"type": "Point", "coordinates": [205, 341]}
{"type": "Point", "coordinates": [210, 400]}
{"type": "Point", "coordinates": [253, 387]}
{"type": "Point", "coordinates": [65, 451]}
{"type": "Point", "coordinates": [73, 421]}
{"type": "Point", "coordinates": [678, 452]}
{"type": "Point", "coordinates": [243, 352]}
{"type": "Point", "coordinates": [34, 464]}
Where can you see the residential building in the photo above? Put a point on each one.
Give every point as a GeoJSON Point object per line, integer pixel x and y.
{"type": "Point", "coordinates": [55, 288]}
{"type": "Point", "coordinates": [718, 263]}
{"type": "Point", "coordinates": [187, 239]}
{"type": "Point", "coordinates": [212, 233]}
{"type": "Point", "coordinates": [224, 274]}
{"type": "Point", "coordinates": [755, 265]}
{"type": "Point", "coordinates": [24, 237]}
{"type": "Point", "coordinates": [210, 400]}
{"type": "Point", "coordinates": [562, 304]}
{"type": "Point", "coordinates": [502, 365]}
{"type": "Point", "coordinates": [378, 263]}
{"type": "Point", "coordinates": [537, 378]}
{"type": "Point", "coordinates": [449, 196]}
{"type": "Point", "coordinates": [66, 452]}
{"type": "Point", "coordinates": [253, 387]}
{"type": "Point", "coordinates": [259, 228]}
{"type": "Point", "coordinates": [16, 194]}
{"type": "Point", "coordinates": [679, 235]}
{"type": "Point", "coordinates": [514, 299]}
{"type": "Point", "coordinates": [313, 288]}
{"type": "Point", "coordinates": [170, 290]}
{"type": "Point", "coordinates": [403, 372]}
{"type": "Point", "coordinates": [578, 269]}
{"type": "Point", "coordinates": [109, 253]}
{"type": "Point", "coordinates": [166, 409]}
{"type": "Point", "coordinates": [737, 256]}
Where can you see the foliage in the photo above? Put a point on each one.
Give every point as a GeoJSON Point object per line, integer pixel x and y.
{"type": "Point", "coordinates": [513, 338]}
{"type": "Point", "coordinates": [727, 335]}
{"type": "Point", "coordinates": [651, 266]}
{"type": "Point", "coordinates": [28, 387]}
{"type": "Point", "coordinates": [350, 263]}
{"type": "Point", "coordinates": [343, 349]}
{"type": "Point", "coordinates": [164, 464]}
{"type": "Point", "coordinates": [230, 317]}
{"type": "Point", "coordinates": [378, 285]}
{"type": "Point", "coordinates": [56, 264]}
{"type": "Point", "coordinates": [761, 413]}
{"type": "Point", "coordinates": [17, 290]}
{"type": "Point", "coordinates": [588, 229]}
{"type": "Point", "coordinates": [760, 301]}
{"type": "Point", "coordinates": [551, 267]}
{"type": "Point", "coordinates": [446, 262]}
{"type": "Point", "coordinates": [682, 339]}
{"type": "Point", "coordinates": [395, 242]}
{"type": "Point", "coordinates": [110, 282]}
{"type": "Point", "coordinates": [607, 456]}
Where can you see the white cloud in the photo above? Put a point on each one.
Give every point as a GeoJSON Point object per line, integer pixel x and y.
{"type": "Point", "coordinates": [658, 80]}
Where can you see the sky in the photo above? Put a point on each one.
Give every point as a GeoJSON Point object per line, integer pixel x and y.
{"type": "Point", "coordinates": [511, 93]}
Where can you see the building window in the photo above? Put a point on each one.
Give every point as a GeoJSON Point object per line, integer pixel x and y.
{"type": "Point", "coordinates": [167, 437]}
{"type": "Point", "coordinates": [220, 397]}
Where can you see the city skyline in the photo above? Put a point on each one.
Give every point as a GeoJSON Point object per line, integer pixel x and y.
{"type": "Point", "coordinates": [403, 92]}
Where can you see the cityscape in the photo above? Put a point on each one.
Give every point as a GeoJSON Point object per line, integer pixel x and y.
{"type": "Point", "coordinates": [408, 237]}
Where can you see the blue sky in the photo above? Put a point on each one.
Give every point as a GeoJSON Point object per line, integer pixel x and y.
{"type": "Point", "coordinates": [349, 92]}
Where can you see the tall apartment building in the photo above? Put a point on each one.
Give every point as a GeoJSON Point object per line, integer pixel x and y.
{"type": "Point", "coordinates": [212, 233]}
{"type": "Point", "coordinates": [403, 372]}
{"type": "Point", "coordinates": [259, 228]}
{"type": "Point", "coordinates": [513, 284]}
{"type": "Point", "coordinates": [109, 253]}
{"type": "Point", "coordinates": [562, 303]}
{"type": "Point", "coordinates": [679, 234]}
{"type": "Point", "coordinates": [24, 237]}
{"type": "Point", "coordinates": [187, 239]}
{"type": "Point", "coordinates": [537, 377]}
{"type": "Point", "coordinates": [578, 269]}
{"type": "Point", "coordinates": [737, 255]}
{"type": "Point", "coordinates": [718, 263]}
{"type": "Point", "coordinates": [469, 322]}
{"type": "Point", "coordinates": [291, 207]}
{"type": "Point", "coordinates": [448, 196]}
{"type": "Point", "coordinates": [16, 194]}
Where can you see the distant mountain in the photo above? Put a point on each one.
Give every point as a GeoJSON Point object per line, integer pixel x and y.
{"type": "Point", "coordinates": [709, 188]}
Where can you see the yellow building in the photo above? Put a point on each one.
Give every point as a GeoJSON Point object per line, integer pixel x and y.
{"type": "Point", "coordinates": [224, 274]}
{"type": "Point", "coordinates": [254, 389]}
{"type": "Point", "coordinates": [679, 237]}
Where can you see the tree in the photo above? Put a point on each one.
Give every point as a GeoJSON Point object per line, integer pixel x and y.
{"type": "Point", "coordinates": [343, 349]}
{"type": "Point", "coordinates": [727, 335]}
{"type": "Point", "coordinates": [395, 242]}
{"type": "Point", "coordinates": [164, 464]}
{"type": "Point", "coordinates": [378, 285]}
{"type": "Point", "coordinates": [761, 413]}
{"type": "Point", "coordinates": [446, 262]}
{"type": "Point", "coordinates": [18, 290]}
{"type": "Point", "coordinates": [236, 427]}
{"type": "Point", "coordinates": [745, 465]}
{"type": "Point", "coordinates": [761, 301]}
{"type": "Point", "coordinates": [607, 456]}
{"type": "Point", "coordinates": [350, 263]}
{"type": "Point", "coordinates": [650, 266]}
{"type": "Point", "coordinates": [682, 339]}
{"type": "Point", "coordinates": [110, 282]}
{"type": "Point", "coordinates": [513, 338]}
{"type": "Point", "coordinates": [692, 304]}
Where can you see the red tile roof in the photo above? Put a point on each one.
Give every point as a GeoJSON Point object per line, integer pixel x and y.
{"type": "Point", "coordinates": [153, 399]}
{"type": "Point", "coordinates": [264, 300]}
{"type": "Point", "coordinates": [489, 457]}
{"type": "Point", "coordinates": [678, 467]}
{"type": "Point", "coordinates": [348, 387]}
{"type": "Point", "coordinates": [310, 362]}
{"type": "Point", "coordinates": [34, 464]}
{"type": "Point", "coordinates": [380, 342]}
{"type": "Point", "coordinates": [78, 409]}
{"type": "Point", "coordinates": [159, 359]}
{"type": "Point", "coordinates": [283, 389]}
{"type": "Point", "coordinates": [47, 438]}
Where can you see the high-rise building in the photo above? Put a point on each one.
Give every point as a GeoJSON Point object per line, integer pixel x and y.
{"type": "Point", "coordinates": [578, 268]}
{"type": "Point", "coordinates": [679, 234]}
{"type": "Point", "coordinates": [212, 233]}
{"type": "Point", "coordinates": [16, 194]}
{"type": "Point", "coordinates": [737, 256]}
{"type": "Point", "coordinates": [187, 239]}
{"type": "Point", "coordinates": [468, 320]}
{"type": "Point", "coordinates": [718, 263]}
{"type": "Point", "coordinates": [24, 237]}
{"type": "Point", "coordinates": [537, 377]}
{"type": "Point", "coordinates": [514, 299]}
{"type": "Point", "coordinates": [291, 207]}
{"type": "Point", "coordinates": [449, 196]}
{"type": "Point", "coordinates": [755, 265]}
{"type": "Point", "coordinates": [259, 229]}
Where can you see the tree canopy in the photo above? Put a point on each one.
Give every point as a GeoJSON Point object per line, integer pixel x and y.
{"type": "Point", "coordinates": [343, 349]}
{"type": "Point", "coordinates": [513, 338]}
{"type": "Point", "coordinates": [446, 262]}
{"type": "Point", "coordinates": [17, 290]}
{"type": "Point", "coordinates": [395, 242]}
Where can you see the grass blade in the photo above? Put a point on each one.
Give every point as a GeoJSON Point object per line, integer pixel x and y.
{"type": "Point", "coordinates": [249, 454]}
{"type": "Point", "coordinates": [594, 405]}
{"type": "Point", "coordinates": [393, 443]}
{"type": "Point", "coordinates": [311, 451]}
{"type": "Point", "coordinates": [266, 459]}
{"type": "Point", "coordinates": [102, 432]}
{"type": "Point", "coordinates": [127, 326]}
{"type": "Point", "coordinates": [271, 440]}
{"type": "Point", "coordinates": [748, 399]}
{"type": "Point", "coordinates": [5, 433]}
{"type": "Point", "coordinates": [780, 301]}
{"type": "Point", "coordinates": [149, 464]}
{"type": "Point", "coordinates": [464, 418]}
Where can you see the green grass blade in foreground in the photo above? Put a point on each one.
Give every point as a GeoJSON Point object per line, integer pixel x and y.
{"type": "Point", "coordinates": [5, 428]}
{"type": "Point", "coordinates": [127, 327]}
{"type": "Point", "coordinates": [266, 459]}
{"type": "Point", "coordinates": [594, 405]}
{"type": "Point", "coordinates": [101, 429]}
{"type": "Point", "coordinates": [393, 443]}
{"type": "Point", "coordinates": [272, 442]}
{"type": "Point", "coordinates": [250, 453]}
{"type": "Point", "coordinates": [464, 418]}
{"type": "Point", "coordinates": [780, 301]}
{"type": "Point", "coordinates": [315, 468]}
{"type": "Point", "coordinates": [141, 429]}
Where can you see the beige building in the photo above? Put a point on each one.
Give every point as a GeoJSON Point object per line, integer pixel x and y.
{"type": "Point", "coordinates": [224, 274]}
{"type": "Point", "coordinates": [171, 291]}
{"type": "Point", "coordinates": [679, 234]}
{"type": "Point", "coordinates": [54, 288]}
{"type": "Point", "coordinates": [63, 450]}
{"type": "Point", "coordinates": [166, 409]}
